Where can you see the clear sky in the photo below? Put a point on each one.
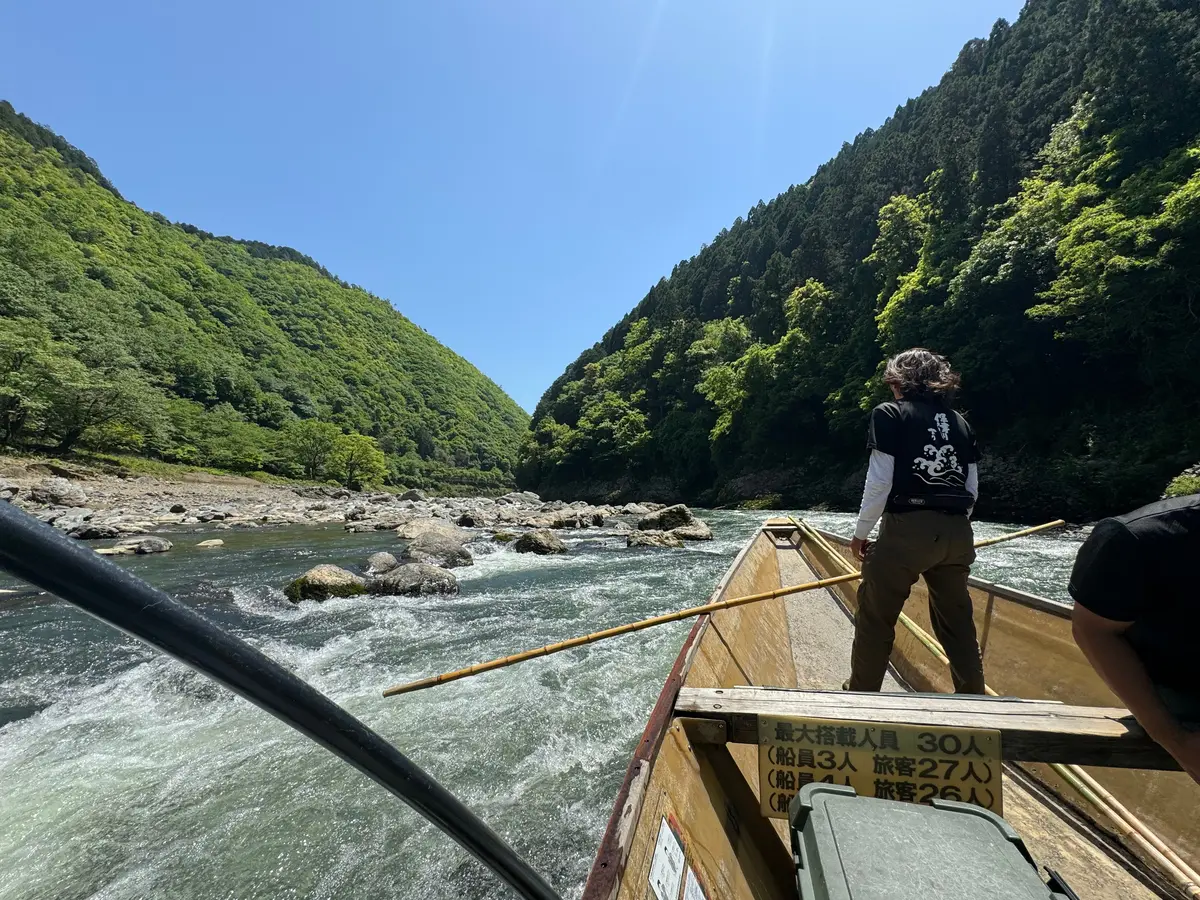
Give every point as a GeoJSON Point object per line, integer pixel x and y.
{"type": "Point", "coordinates": [512, 174]}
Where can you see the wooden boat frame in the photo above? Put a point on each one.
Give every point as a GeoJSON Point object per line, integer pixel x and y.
{"type": "Point", "coordinates": [715, 654]}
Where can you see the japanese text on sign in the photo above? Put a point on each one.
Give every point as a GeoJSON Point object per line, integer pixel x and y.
{"type": "Point", "coordinates": [916, 763]}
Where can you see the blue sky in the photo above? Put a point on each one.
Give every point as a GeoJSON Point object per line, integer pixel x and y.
{"type": "Point", "coordinates": [513, 175]}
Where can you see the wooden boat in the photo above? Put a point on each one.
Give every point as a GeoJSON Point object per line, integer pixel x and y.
{"type": "Point", "coordinates": [694, 780]}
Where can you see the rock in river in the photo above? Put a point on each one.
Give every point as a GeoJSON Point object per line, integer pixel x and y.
{"type": "Point", "coordinates": [436, 548]}
{"type": "Point", "coordinates": [378, 563]}
{"type": "Point", "coordinates": [95, 532]}
{"type": "Point", "coordinates": [411, 530]}
{"type": "Point", "coordinates": [652, 539]}
{"type": "Point", "coordinates": [214, 542]}
{"type": "Point", "coordinates": [542, 541]}
{"type": "Point", "coordinates": [139, 545]}
{"type": "Point", "coordinates": [696, 531]}
{"type": "Point", "coordinates": [666, 519]}
{"type": "Point", "coordinates": [145, 545]}
{"type": "Point", "coordinates": [323, 582]}
{"type": "Point", "coordinates": [413, 579]}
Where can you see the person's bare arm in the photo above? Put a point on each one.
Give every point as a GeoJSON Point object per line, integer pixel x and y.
{"type": "Point", "coordinates": [1104, 643]}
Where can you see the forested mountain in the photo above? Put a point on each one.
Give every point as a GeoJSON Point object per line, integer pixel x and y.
{"type": "Point", "coordinates": [1035, 216]}
{"type": "Point", "coordinates": [122, 331]}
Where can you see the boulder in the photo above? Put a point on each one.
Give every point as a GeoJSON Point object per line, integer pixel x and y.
{"type": "Point", "coordinates": [72, 520]}
{"type": "Point", "coordinates": [665, 519]}
{"type": "Point", "coordinates": [378, 563]}
{"type": "Point", "coordinates": [598, 520]}
{"type": "Point", "coordinates": [58, 492]}
{"type": "Point", "coordinates": [621, 527]}
{"type": "Point", "coordinates": [634, 509]}
{"type": "Point", "coordinates": [8, 491]}
{"type": "Point", "coordinates": [338, 494]}
{"type": "Point", "coordinates": [436, 548]}
{"type": "Point", "coordinates": [697, 531]}
{"type": "Point", "coordinates": [411, 530]}
{"type": "Point", "coordinates": [572, 521]}
{"type": "Point", "coordinates": [323, 582]}
{"type": "Point", "coordinates": [504, 537]}
{"type": "Point", "coordinates": [92, 531]}
{"type": "Point", "coordinates": [178, 508]}
{"type": "Point", "coordinates": [413, 494]}
{"type": "Point", "coordinates": [542, 542]}
{"type": "Point", "coordinates": [413, 579]}
{"type": "Point", "coordinates": [143, 545]}
{"type": "Point", "coordinates": [476, 518]}
{"type": "Point", "coordinates": [214, 542]}
{"type": "Point", "coordinates": [520, 498]}
{"type": "Point", "coordinates": [652, 539]}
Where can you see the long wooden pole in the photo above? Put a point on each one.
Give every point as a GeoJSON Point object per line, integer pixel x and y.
{"type": "Point", "coordinates": [1091, 790]}
{"type": "Point", "coordinates": [650, 623]}
{"type": "Point", "coordinates": [1016, 534]}
{"type": "Point", "coordinates": [612, 632]}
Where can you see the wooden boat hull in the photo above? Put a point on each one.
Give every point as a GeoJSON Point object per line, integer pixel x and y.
{"type": "Point", "coordinates": [707, 790]}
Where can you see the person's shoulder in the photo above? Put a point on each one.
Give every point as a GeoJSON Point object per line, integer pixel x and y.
{"type": "Point", "coordinates": [1179, 511]}
{"type": "Point", "coordinates": [1108, 531]}
{"type": "Point", "coordinates": [889, 408]}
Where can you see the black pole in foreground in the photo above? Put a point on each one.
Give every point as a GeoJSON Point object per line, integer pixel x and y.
{"type": "Point", "coordinates": [44, 557]}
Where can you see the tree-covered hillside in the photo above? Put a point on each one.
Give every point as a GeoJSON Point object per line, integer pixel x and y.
{"type": "Point", "coordinates": [122, 331]}
{"type": "Point", "coordinates": [1035, 216]}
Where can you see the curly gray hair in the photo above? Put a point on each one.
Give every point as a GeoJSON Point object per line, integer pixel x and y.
{"type": "Point", "coordinates": [918, 372]}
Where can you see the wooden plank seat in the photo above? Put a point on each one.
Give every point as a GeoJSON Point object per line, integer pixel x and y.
{"type": "Point", "coordinates": [1030, 730]}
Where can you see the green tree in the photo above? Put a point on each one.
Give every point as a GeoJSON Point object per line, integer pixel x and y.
{"type": "Point", "coordinates": [310, 444]}
{"type": "Point", "coordinates": [79, 398]}
{"type": "Point", "coordinates": [27, 365]}
{"type": "Point", "coordinates": [357, 461]}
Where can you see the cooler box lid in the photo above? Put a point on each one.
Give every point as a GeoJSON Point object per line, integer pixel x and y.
{"type": "Point", "coordinates": [848, 847]}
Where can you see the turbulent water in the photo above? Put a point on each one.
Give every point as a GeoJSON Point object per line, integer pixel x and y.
{"type": "Point", "coordinates": [140, 779]}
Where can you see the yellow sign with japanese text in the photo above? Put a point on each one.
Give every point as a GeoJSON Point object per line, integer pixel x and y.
{"type": "Point", "coordinates": [917, 763]}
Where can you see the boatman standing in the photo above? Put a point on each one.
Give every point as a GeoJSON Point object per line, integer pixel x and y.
{"type": "Point", "coordinates": [923, 480]}
{"type": "Point", "coordinates": [1137, 616]}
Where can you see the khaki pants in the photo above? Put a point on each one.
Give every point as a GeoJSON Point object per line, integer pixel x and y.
{"type": "Point", "coordinates": [911, 544]}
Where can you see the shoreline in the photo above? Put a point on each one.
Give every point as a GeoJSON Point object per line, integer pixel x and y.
{"type": "Point", "coordinates": [94, 506]}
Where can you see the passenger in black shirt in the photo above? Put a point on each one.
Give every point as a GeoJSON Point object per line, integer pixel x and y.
{"type": "Point", "coordinates": [1137, 618]}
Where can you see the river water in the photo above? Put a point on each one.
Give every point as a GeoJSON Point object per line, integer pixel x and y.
{"type": "Point", "coordinates": [140, 779]}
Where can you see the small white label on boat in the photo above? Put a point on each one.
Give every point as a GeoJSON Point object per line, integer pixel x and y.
{"type": "Point", "coordinates": [691, 887]}
{"type": "Point", "coordinates": [666, 866]}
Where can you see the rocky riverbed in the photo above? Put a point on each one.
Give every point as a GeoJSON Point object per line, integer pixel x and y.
{"type": "Point", "coordinates": [131, 514]}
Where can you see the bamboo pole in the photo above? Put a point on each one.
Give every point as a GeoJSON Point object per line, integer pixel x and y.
{"type": "Point", "coordinates": [649, 623]}
{"type": "Point", "coordinates": [1016, 534]}
{"type": "Point", "coordinates": [613, 632]}
{"type": "Point", "coordinates": [1129, 825]}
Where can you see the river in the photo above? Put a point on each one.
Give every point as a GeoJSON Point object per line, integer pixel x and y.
{"type": "Point", "coordinates": [140, 779]}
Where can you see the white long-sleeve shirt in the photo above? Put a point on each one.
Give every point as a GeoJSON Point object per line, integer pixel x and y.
{"type": "Point", "coordinates": [880, 472]}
